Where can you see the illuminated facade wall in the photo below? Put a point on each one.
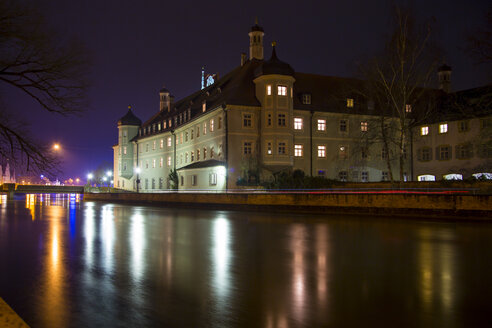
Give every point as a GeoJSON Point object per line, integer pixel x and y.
{"type": "Point", "coordinates": [455, 148]}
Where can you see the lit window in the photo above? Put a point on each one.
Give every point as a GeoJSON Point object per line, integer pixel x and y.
{"type": "Point", "coordinates": [321, 125]}
{"type": "Point", "coordinates": [161, 162]}
{"type": "Point", "coordinates": [153, 163]}
{"type": "Point", "coordinates": [205, 153]}
{"type": "Point", "coordinates": [281, 119]}
{"type": "Point", "coordinates": [124, 150]}
{"type": "Point", "coordinates": [426, 177]}
{"type": "Point", "coordinates": [281, 148]}
{"type": "Point", "coordinates": [212, 125]}
{"type": "Point", "coordinates": [306, 99]}
{"type": "Point", "coordinates": [181, 137]}
{"type": "Point", "coordinates": [213, 179]}
{"type": "Point", "coordinates": [297, 123]}
{"type": "Point", "coordinates": [282, 90]}
{"type": "Point", "coordinates": [204, 106]}
{"type": "Point", "coordinates": [170, 123]}
{"type": "Point", "coordinates": [269, 90]}
{"type": "Point", "coordinates": [298, 150]}
{"type": "Point", "coordinates": [204, 128]}
{"type": "Point", "coordinates": [169, 161]}
{"type": "Point", "coordinates": [161, 143]}
{"type": "Point", "coordinates": [164, 124]}
{"type": "Point", "coordinates": [408, 108]}
{"type": "Point", "coordinates": [269, 148]}
{"type": "Point", "coordinates": [321, 151]}
{"type": "Point", "coordinates": [247, 147]}
{"type": "Point", "coordinates": [169, 141]}
{"type": "Point", "coordinates": [443, 128]}
{"type": "Point", "coordinates": [363, 126]}
{"type": "Point", "coordinates": [247, 120]}
{"type": "Point", "coordinates": [350, 102]}
{"type": "Point", "coordinates": [343, 126]}
{"type": "Point", "coordinates": [424, 130]}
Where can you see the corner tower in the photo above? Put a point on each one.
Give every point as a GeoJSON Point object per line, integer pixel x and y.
{"type": "Point", "coordinates": [256, 42]}
{"type": "Point", "coordinates": [124, 151]}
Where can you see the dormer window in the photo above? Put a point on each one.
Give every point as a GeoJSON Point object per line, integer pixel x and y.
{"type": "Point", "coordinates": [282, 90]}
{"type": "Point", "coordinates": [306, 99]}
{"type": "Point", "coordinates": [204, 106]}
{"type": "Point", "coordinates": [269, 90]}
{"type": "Point", "coordinates": [350, 102]}
{"type": "Point", "coordinates": [408, 108]}
{"type": "Point", "coordinates": [164, 123]}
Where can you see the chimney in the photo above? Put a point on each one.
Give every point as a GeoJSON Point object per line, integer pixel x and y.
{"type": "Point", "coordinates": [243, 58]}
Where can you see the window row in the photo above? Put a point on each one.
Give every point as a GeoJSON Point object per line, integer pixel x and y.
{"type": "Point", "coordinates": [178, 120]}
{"type": "Point", "coordinates": [184, 158]}
{"type": "Point", "coordinates": [343, 125]}
{"type": "Point", "coordinates": [444, 152]}
{"type": "Point", "coordinates": [193, 179]}
{"type": "Point", "coordinates": [184, 136]}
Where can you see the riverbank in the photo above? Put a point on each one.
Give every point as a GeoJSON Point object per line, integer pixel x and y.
{"type": "Point", "coordinates": [439, 205]}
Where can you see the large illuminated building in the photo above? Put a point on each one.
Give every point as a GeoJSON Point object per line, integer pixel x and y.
{"type": "Point", "coordinates": [260, 119]}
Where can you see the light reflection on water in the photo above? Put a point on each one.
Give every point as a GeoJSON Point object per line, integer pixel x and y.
{"type": "Point", "coordinates": [96, 264]}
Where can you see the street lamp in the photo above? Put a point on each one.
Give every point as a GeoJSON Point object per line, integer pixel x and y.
{"type": "Point", "coordinates": [56, 146]}
{"type": "Point", "coordinates": [89, 178]}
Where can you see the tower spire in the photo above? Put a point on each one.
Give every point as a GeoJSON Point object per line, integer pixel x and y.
{"type": "Point", "coordinates": [256, 41]}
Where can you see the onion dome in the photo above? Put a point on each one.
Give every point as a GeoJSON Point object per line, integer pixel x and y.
{"type": "Point", "coordinates": [444, 68]}
{"type": "Point", "coordinates": [129, 119]}
{"type": "Point", "coordinates": [256, 27]}
{"type": "Point", "coordinates": [274, 66]}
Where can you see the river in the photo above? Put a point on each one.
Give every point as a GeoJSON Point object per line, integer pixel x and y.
{"type": "Point", "coordinates": [69, 263]}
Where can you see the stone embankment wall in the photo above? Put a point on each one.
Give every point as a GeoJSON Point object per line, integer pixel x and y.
{"type": "Point", "coordinates": [454, 205]}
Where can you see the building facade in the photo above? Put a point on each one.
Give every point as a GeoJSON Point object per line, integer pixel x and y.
{"type": "Point", "coordinates": [260, 119]}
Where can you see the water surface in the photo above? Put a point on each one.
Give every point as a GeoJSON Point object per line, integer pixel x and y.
{"type": "Point", "coordinates": [69, 263]}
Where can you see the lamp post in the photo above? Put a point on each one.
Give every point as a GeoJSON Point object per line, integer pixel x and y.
{"type": "Point", "coordinates": [89, 178]}
{"type": "Point", "coordinates": [137, 171]}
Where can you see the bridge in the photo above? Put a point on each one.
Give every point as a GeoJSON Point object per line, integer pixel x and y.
{"type": "Point", "coordinates": [12, 188]}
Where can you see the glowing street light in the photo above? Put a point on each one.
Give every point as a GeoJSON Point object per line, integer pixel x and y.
{"type": "Point", "coordinates": [109, 173]}
{"type": "Point", "coordinates": [56, 146]}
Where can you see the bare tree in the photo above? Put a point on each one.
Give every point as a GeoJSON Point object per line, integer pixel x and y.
{"type": "Point", "coordinates": [43, 66]}
{"type": "Point", "coordinates": [479, 43]}
{"type": "Point", "coordinates": [397, 82]}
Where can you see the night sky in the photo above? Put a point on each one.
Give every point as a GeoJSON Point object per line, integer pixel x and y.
{"type": "Point", "coordinates": [139, 46]}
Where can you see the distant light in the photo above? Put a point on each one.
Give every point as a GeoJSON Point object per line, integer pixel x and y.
{"type": "Point", "coordinates": [77, 179]}
{"type": "Point", "coordinates": [111, 181]}
{"type": "Point", "coordinates": [104, 179]}
{"type": "Point", "coordinates": [137, 170]}
{"type": "Point", "coordinates": [56, 146]}
{"type": "Point", "coordinates": [90, 176]}
{"type": "Point", "coordinates": [42, 176]}
{"type": "Point", "coordinates": [109, 173]}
